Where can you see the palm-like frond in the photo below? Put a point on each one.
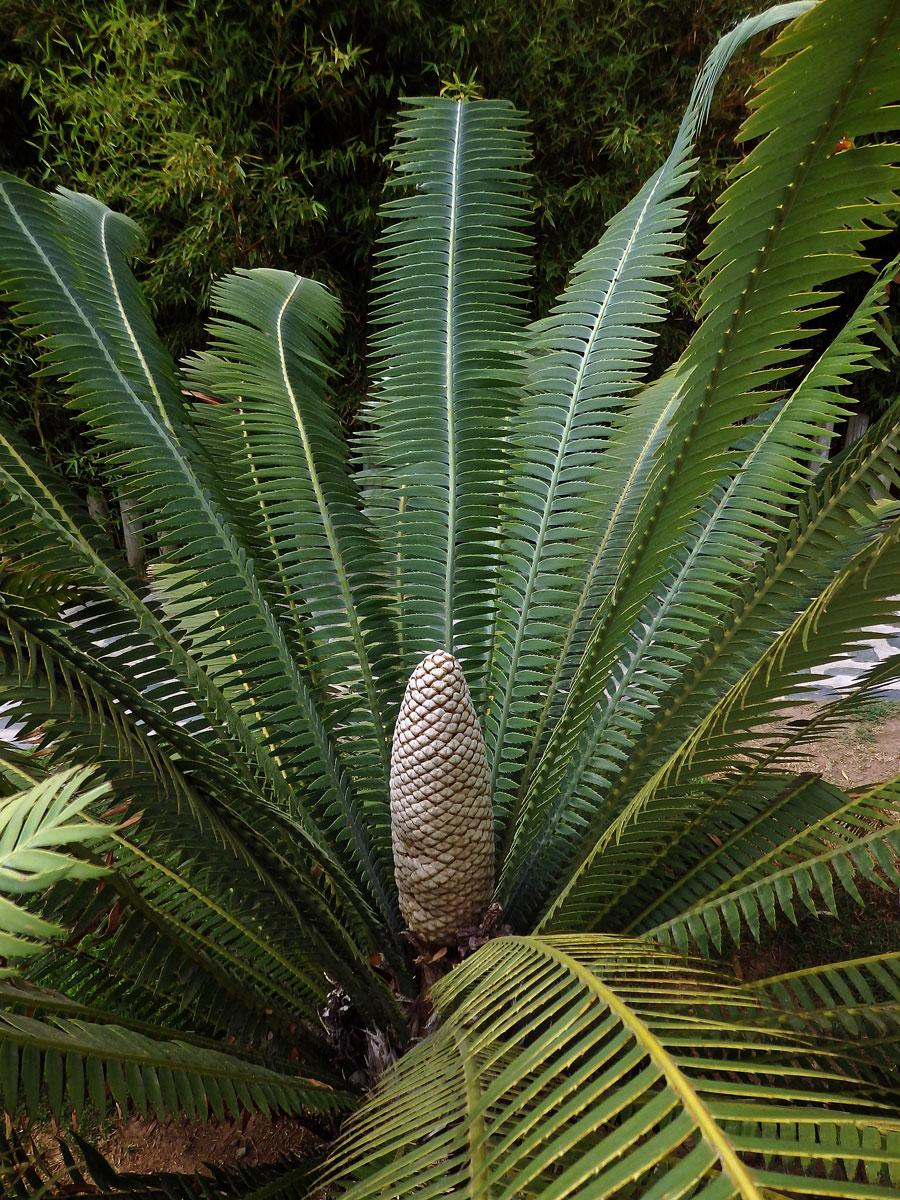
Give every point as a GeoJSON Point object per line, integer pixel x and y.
{"type": "Point", "coordinates": [635, 577]}
{"type": "Point", "coordinates": [37, 827]}
{"type": "Point", "coordinates": [77, 1059]}
{"type": "Point", "coordinates": [856, 837]}
{"type": "Point", "coordinates": [855, 1003]}
{"type": "Point", "coordinates": [449, 316]}
{"type": "Point", "coordinates": [130, 394]}
{"type": "Point", "coordinates": [304, 506]}
{"type": "Point", "coordinates": [78, 1056]}
{"type": "Point", "coordinates": [621, 687]}
{"type": "Point", "coordinates": [568, 479]}
{"type": "Point", "coordinates": [602, 1066]}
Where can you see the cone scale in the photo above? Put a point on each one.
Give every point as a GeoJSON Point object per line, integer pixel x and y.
{"type": "Point", "coordinates": [442, 823]}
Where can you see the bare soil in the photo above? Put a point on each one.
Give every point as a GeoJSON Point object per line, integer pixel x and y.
{"type": "Point", "coordinates": [867, 751]}
{"type": "Point", "coordinates": [143, 1146]}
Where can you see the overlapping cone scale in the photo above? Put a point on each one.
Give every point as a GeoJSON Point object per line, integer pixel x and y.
{"type": "Point", "coordinates": [442, 823]}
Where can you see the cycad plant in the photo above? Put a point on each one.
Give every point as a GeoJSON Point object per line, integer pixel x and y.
{"type": "Point", "coordinates": [502, 696]}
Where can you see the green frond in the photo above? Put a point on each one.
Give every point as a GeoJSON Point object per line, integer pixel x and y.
{"type": "Point", "coordinates": [16, 769]}
{"type": "Point", "coordinates": [774, 868]}
{"type": "Point", "coordinates": [799, 246]}
{"type": "Point", "coordinates": [604, 1066]}
{"type": "Point", "coordinates": [266, 364]}
{"type": "Point", "coordinates": [132, 400]}
{"type": "Point", "coordinates": [636, 578]}
{"type": "Point", "coordinates": [861, 595]}
{"type": "Point", "coordinates": [37, 827]}
{"type": "Point", "coordinates": [79, 1060]}
{"type": "Point", "coordinates": [43, 521]}
{"type": "Point", "coordinates": [270, 863]}
{"type": "Point", "coordinates": [855, 1003]}
{"type": "Point", "coordinates": [567, 473]}
{"type": "Point", "coordinates": [59, 674]}
{"type": "Point", "coordinates": [449, 316]}
{"type": "Point", "coordinates": [811, 555]}
{"type": "Point", "coordinates": [693, 611]}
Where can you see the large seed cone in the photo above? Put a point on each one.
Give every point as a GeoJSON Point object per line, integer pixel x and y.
{"type": "Point", "coordinates": [442, 824]}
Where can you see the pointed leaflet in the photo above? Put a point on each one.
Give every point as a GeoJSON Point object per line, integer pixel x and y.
{"type": "Point", "coordinates": [266, 362]}
{"type": "Point", "coordinates": [798, 870]}
{"type": "Point", "coordinates": [130, 1065]}
{"type": "Point", "coordinates": [271, 869]}
{"type": "Point", "coordinates": [704, 624]}
{"type": "Point", "coordinates": [121, 639]}
{"type": "Point", "coordinates": [606, 1067]}
{"type": "Point", "coordinates": [36, 828]}
{"type": "Point", "coordinates": [775, 238]}
{"type": "Point", "coordinates": [824, 529]}
{"type": "Point", "coordinates": [71, 281]}
{"type": "Point", "coordinates": [857, 1001]}
{"type": "Point", "coordinates": [449, 310]}
{"type": "Point", "coordinates": [588, 356]}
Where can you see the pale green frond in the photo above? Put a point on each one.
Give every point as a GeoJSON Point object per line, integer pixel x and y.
{"type": "Point", "coordinates": [836, 620]}
{"type": "Point", "coordinates": [836, 515]}
{"type": "Point", "coordinates": [778, 220]}
{"type": "Point", "coordinates": [37, 828]}
{"type": "Point", "coordinates": [270, 867]}
{"type": "Point", "coordinates": [693, 611]}
{"type": "Point", "coordinates": [42, 521]}
{"type": "Point", "coordinates": [449, 314]}
{"type": "Point", "coordinates": [607, 1067]}
{"type": "Point", "coordinates": [856, 1003]}
{"type": "Point", "coordinates": [568, 474]}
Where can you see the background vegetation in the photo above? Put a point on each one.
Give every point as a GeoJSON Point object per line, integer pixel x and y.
{"type": "Point", "coordinates": [251, 133]}
{"type": "Point", "coordinates": [248, 134]}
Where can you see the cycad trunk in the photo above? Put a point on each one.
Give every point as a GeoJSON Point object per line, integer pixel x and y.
{"type": "Point", "coordinates": [442, 824]}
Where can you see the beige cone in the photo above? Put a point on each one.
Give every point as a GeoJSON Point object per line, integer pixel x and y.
{"type": "Point", "coordinates": [442, 824]}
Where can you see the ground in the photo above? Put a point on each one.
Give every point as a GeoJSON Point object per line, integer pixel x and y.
{"type": "Point", "coordinates": [866, 752]}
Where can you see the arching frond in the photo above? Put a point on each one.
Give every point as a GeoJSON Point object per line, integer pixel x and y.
{"type": "Point", "coordinates": [812, 552]}
{"type": "Point", "coordinates": [266, 363]}
{"type": "Point", "coordinates": [777, 221]}
{"type": "Point", "coordinates": [605, 1067]}
{"type": "Point", "coordinates": [567, 473]}
{"type": "Point", "coordinates": [769, 873]}
{"type": "Point", "coordinates": [122, 380]}
{"type": "Point", "coordinates": [79, 1060]}
{"type": "Point", "coordinates": [854, 1003]}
